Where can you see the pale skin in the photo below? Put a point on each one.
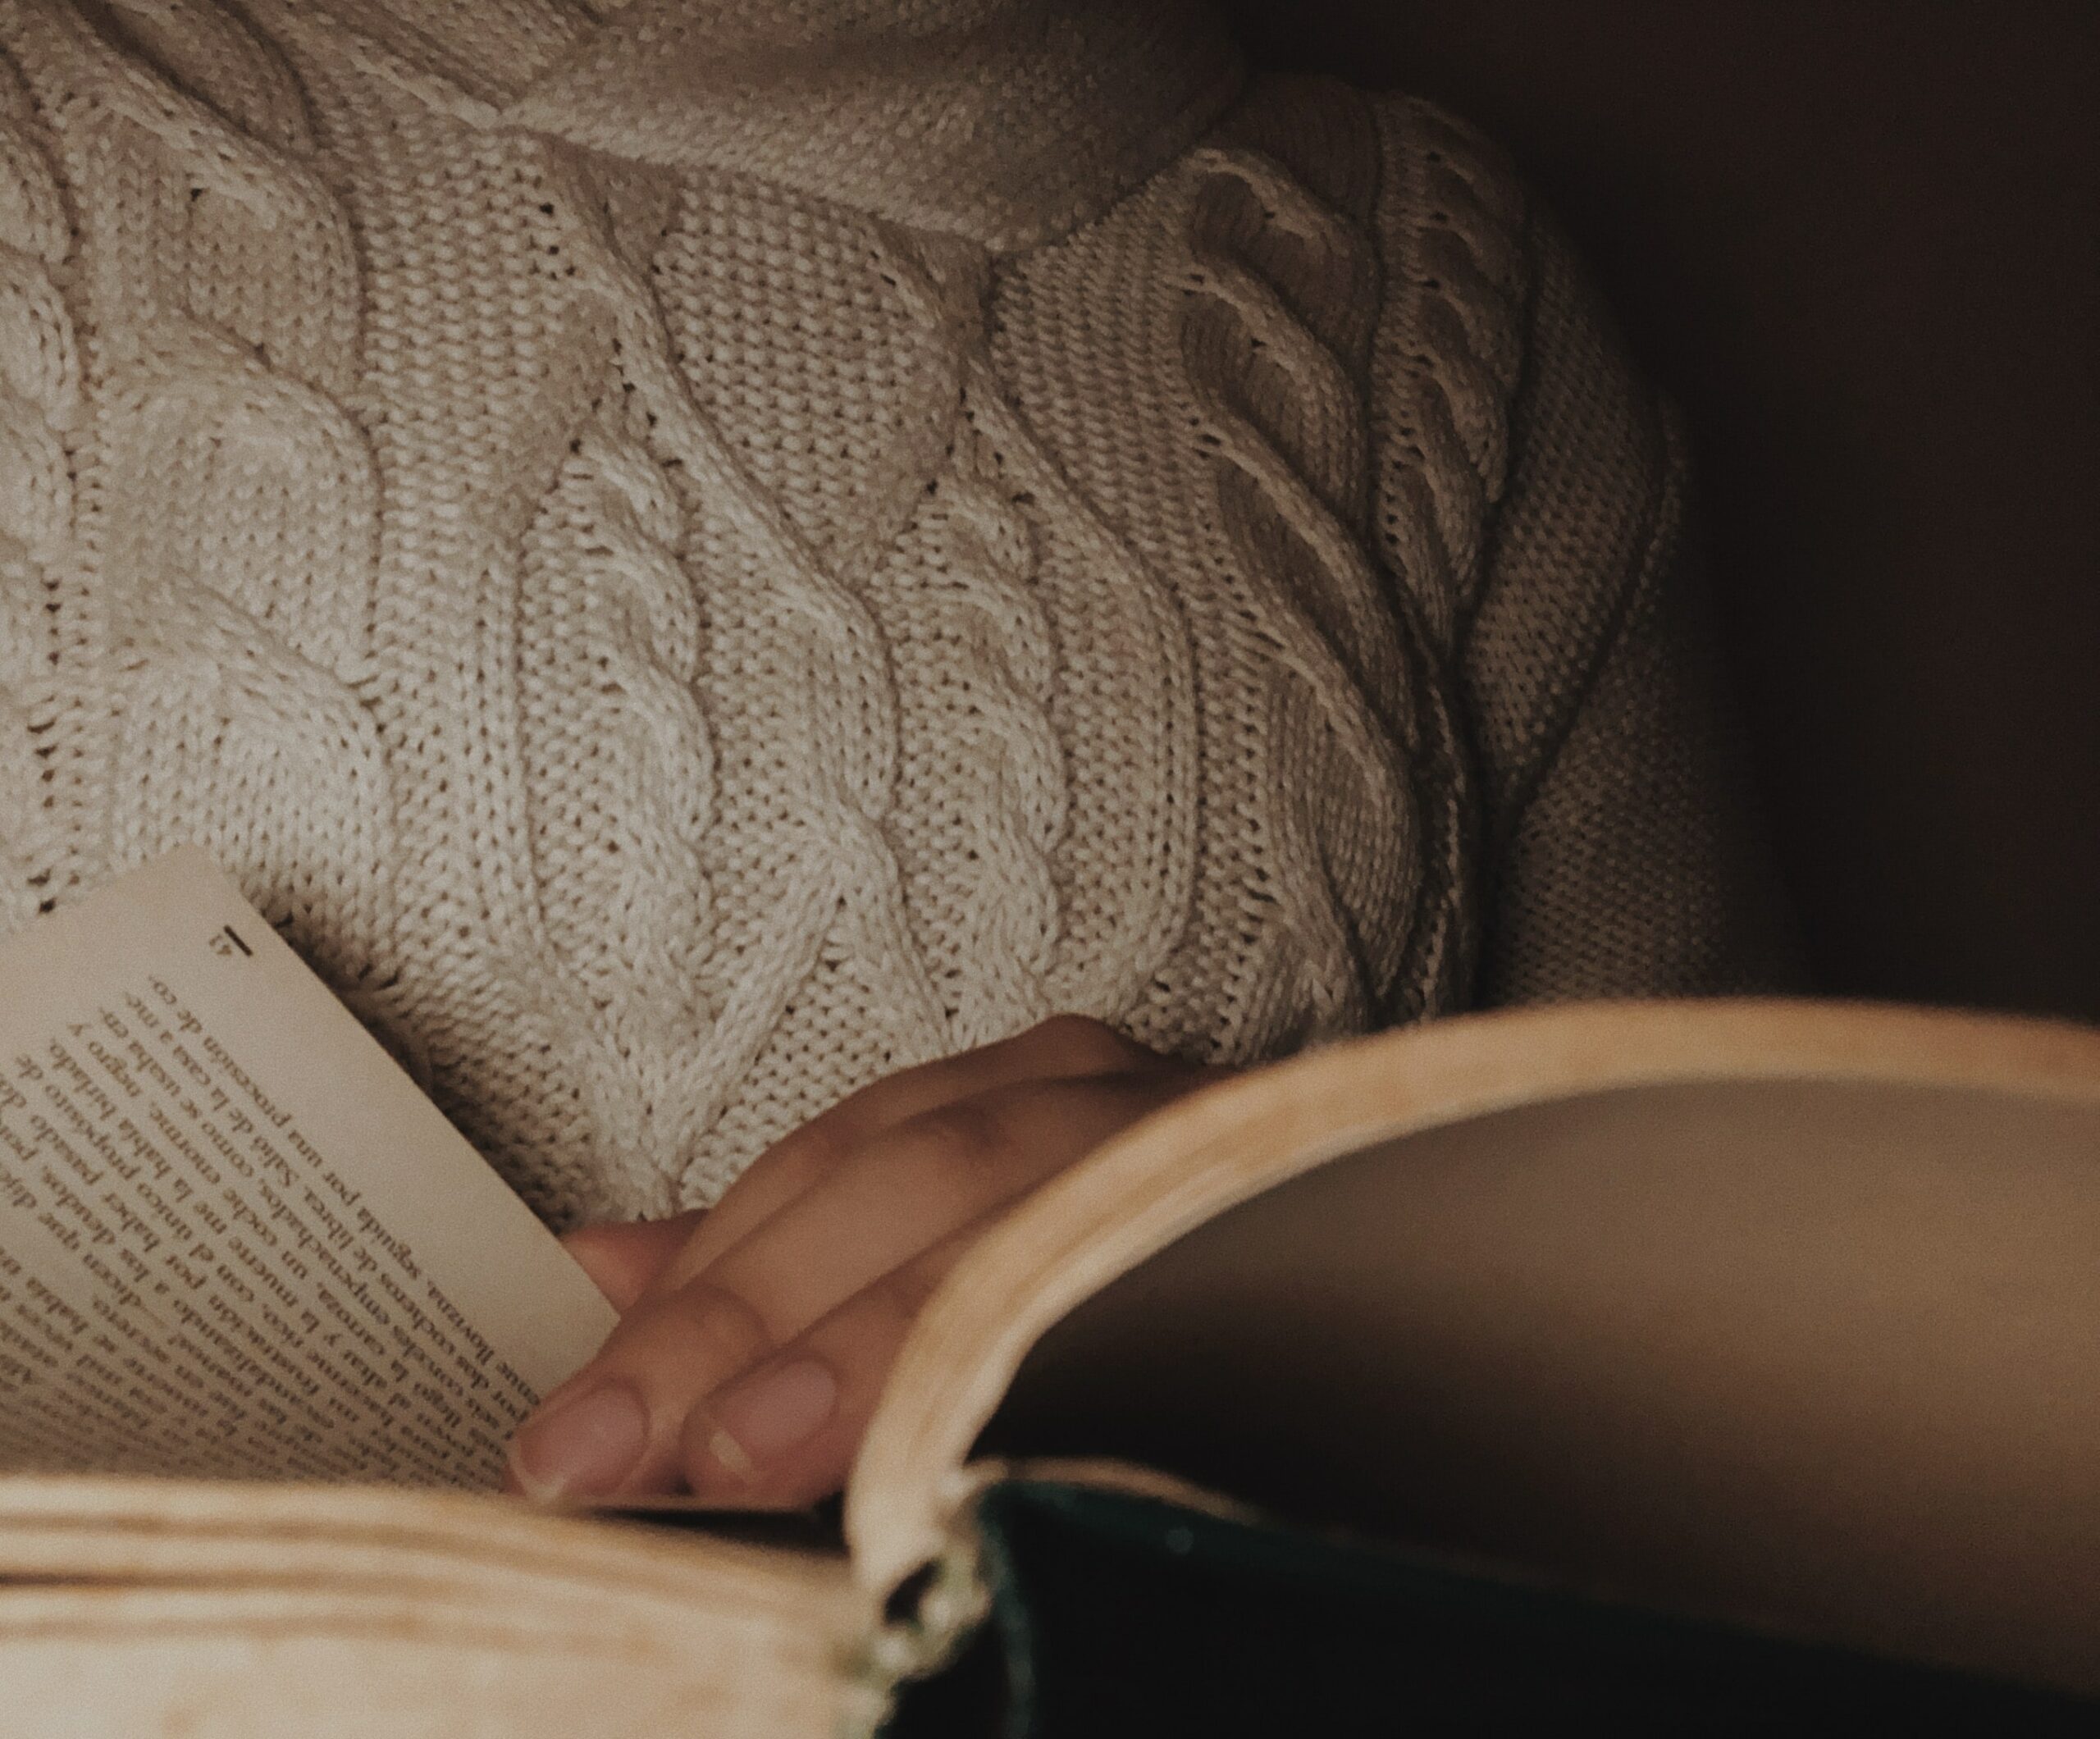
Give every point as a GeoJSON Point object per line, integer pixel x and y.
{"type": "Point", "coordinates": [754, 1338]}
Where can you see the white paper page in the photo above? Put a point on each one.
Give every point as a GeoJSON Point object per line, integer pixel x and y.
{"type": "Point", "coordinates": [236, 1240]}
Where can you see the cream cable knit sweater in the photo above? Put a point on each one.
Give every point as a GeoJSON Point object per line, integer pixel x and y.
{"type": "Point", "coordinates": [695, 552]}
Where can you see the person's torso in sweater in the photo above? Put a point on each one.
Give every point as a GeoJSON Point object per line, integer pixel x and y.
{"type": "Point", "coordinates": [677, 615]}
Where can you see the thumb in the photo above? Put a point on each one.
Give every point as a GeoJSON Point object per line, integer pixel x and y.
{"type": "Point", "coordinates": [624, 1257]}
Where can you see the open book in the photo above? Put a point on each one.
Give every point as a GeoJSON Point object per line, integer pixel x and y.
{"type": "Point", "coordinates": [1658, 1348]}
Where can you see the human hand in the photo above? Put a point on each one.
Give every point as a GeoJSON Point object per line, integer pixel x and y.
{"type": "Point", "coordinates": [755, 1337]}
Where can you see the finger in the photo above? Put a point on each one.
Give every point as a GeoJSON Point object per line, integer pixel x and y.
{"type": "Point", "coordinates": [624, 1257]}
{"type": "Point", "coordinates": [1063, 1048]}
{"type": "Point", "coordinates": [614, 1429]}
{"type": "Point", "coordinates": [785, 1433]}
{"type": "Point", "coordinates": [916, 1182]}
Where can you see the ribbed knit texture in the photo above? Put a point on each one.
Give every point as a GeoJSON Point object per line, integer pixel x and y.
{"type": "Point", "coordinates": [692, 555]}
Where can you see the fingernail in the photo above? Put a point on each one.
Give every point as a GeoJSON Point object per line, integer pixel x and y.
{"type": "Point", "coordinates": [583, 1446]}
{"type": "Point", "coordinates": [760, 1419]}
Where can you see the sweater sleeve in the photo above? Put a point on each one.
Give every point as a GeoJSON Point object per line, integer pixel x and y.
{"type": "Point", "coordinates": [1533, 496]}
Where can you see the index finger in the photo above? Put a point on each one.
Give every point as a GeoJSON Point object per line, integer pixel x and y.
{"type": "Point", "coordinates": [1064, 1047]}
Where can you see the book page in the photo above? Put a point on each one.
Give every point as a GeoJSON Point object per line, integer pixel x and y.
{"type": "Point", "coordinates": [1163, 1180]}
{"type": "Point", "coordinates": [235, 1239]}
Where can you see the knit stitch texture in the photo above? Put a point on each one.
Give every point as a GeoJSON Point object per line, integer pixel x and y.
{"type": "Point", "coordinates": [694, 553]}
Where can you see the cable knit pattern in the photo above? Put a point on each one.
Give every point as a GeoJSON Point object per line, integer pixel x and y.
{"type": "Point", "coordinates": [618, 773]}
{"type": "Point", "coordinates": [1534, 502]}
{"type": "Point", "coordinates": [1450, 350]}
{"type": "Point", "coordinates": [976, 660]}
{"type": "Point", "coordinates": [233, 497]}
{"type": "Point", "coordinates": [680, 601]}
{"type": "Point", "coordinates": [39, 399]}
{"type": "Point", "coordinates": [1121, 703]}
{"type": "Point", "coordinates": [1235, 478]}
{"type": "Point", "coordinates": [1284, 422]}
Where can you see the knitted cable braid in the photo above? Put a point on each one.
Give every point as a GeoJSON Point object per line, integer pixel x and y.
{"type": "Point", "coordinates": [691, 555]}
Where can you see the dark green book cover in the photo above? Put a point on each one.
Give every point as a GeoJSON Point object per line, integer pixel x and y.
{"type": "Point", "coordinates": [1112, 1615]}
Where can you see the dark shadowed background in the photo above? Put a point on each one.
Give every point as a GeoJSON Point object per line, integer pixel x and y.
{"type": "Point", "coordinates": [1859, 240]}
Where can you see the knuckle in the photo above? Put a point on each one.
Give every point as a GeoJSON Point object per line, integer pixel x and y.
{"type": "Point", "coordinates": [965, 1137]}
{"type": "Point", "coordinates": [722, 1330]}
{"type": "Point", "coordinates": [810, 1151]}
{"type": "Point", "coordinates": [1033, 1106]}
{"type": "Point", "coordinates": [1081, 1041]}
